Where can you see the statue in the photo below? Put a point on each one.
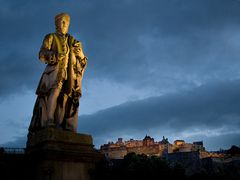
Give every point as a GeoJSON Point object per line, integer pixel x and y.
{"type": "Point", "coordinates": [59, 89]}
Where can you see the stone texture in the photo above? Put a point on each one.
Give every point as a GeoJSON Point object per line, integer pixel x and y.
{"type": "Point", "coordinates": [56, 154]}
{"type": "Point", "coordinates": [54, 139]}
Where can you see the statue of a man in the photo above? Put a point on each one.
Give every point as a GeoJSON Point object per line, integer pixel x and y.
{"type": "Point", "coordinates": [59, 89]}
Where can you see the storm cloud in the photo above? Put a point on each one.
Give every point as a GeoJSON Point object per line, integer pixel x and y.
{"type": "Point", "coordinates": [165, 45]}
{"type": "Point", "coordinates": [198, 107]}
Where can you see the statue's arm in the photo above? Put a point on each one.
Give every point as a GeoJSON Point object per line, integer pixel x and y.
{"type": "Point", "coordinates": [80, 54]}
{"type": "Point", "coordinates": [46, 54]}
{"type": "Point", "coordinates": [83, 62]}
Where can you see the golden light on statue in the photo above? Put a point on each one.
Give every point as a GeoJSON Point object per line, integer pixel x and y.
{"type": "Point", "coordinates": [59, 88]}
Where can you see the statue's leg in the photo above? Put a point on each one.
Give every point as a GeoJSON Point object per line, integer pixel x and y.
{"type": "Point", "coordinates": [71, 121]}
{"type": "Point", "coordinates": [52, 103]}
{"type": "Point", "coordinates": [60, 110]}
{"type": "Point", "coordinates": [75, 121]}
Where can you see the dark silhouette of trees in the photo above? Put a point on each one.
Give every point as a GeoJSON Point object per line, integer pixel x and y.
{"type": "Point", "coordinates": [139, 167]}
{"type": "Point", "coordinates": [142, 167]}
{"type": "Point", "coordinates": [234, 150]}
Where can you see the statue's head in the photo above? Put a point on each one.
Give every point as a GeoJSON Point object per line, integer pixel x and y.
{"type": "Point", "coordinates": [62, 22]}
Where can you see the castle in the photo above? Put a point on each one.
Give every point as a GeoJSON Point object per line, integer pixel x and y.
{"type": "Point", "coordinates": [149, 147]}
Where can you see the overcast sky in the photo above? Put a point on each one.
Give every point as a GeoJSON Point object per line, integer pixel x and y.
{"type": "Point", "coordinates": [158, 67]}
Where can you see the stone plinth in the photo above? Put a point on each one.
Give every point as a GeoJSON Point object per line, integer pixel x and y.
{"type": "Point", "coordinates": [56, 154]}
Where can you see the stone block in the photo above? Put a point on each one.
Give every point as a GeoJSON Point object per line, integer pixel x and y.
{"type": "Point", "coordinates": [57, 154]}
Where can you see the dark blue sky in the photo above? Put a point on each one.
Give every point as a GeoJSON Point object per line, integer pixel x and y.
{"type": "Point", "coordinates": [158, 67]}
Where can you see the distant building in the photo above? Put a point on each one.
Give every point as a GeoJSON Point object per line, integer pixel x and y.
{"type": "Point", "coordinates": [149, 147]}
{"type": "Point", "coordinates": [181, 146]}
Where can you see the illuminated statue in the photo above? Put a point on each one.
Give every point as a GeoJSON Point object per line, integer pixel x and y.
{"type": "Point", "coordinates": [59, 89]}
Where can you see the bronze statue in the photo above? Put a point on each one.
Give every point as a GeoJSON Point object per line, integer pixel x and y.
{"type": "Point", "coordinates": [59, 89]}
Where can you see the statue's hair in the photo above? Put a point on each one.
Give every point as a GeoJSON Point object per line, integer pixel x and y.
{"type": "Point", "coordinates": [60, 16]}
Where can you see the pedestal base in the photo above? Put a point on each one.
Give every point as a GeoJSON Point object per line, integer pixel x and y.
{"type": "Point", "coordinates": [57, 154]}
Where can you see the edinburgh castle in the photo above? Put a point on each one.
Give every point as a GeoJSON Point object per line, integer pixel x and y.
{"type": "Point", "coordinates": [150, 147]}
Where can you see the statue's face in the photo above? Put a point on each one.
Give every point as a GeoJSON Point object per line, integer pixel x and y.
{"type": "Point", "coordinates": [62, 25]}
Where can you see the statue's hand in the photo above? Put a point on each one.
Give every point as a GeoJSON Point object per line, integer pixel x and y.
{"type": "Point", "coordinates": [78, 52]}
{"type": "Point", "coordinates": [83, 61]}
{"type": "Point", "coordinates": [52, 59]}
{"type": "Point", "coordinates": [61, 56]}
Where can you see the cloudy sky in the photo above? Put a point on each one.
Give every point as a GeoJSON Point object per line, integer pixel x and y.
{"type": "Point", "coordinates": [158, 67]}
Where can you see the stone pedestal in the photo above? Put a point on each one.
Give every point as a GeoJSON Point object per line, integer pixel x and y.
{"type": "Point", "coordinates": [60, 155]}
